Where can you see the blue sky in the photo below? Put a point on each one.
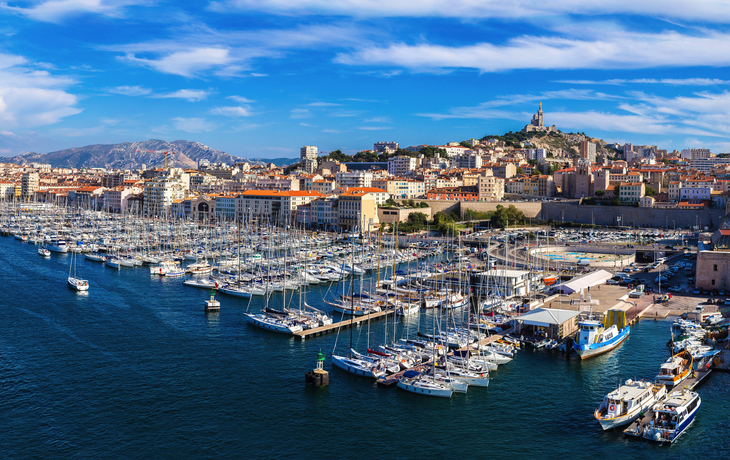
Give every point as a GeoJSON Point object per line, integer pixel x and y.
{"type": "Point", "coordinates": [260, 78]}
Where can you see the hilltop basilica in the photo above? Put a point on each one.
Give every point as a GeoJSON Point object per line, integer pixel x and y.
{"type": "Point", "coordinates": [536, 124]}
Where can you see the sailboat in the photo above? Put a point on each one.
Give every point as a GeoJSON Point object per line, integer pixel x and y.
{"type": "Point", "coordinates": [76, 283]}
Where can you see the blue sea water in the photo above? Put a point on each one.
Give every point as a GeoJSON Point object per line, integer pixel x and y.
{"type": "Point", "coordinates": [135, 369]}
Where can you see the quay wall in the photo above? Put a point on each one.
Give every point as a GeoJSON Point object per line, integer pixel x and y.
{"type": "Point", "coordinates": [529, 208]}
{"type": "Point", "coordinates": [571, 211]}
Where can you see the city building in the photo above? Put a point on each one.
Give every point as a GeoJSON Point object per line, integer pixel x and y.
{"type": "Point", "coordinates": [29, 183]}
{"type": "Point", "coordinates": [308, 158]}
{"type": "Point", "coordinates": [588, 151]}
{"type": "Point", "coordinates": [631, 192]}
{"type": "Point", "coordinates": [357, 211]}
{"type": "Point", "coordinates": [354, 179]}
{"type": "Point", "coordinates": [401, 165]}
{"type": "Point", "coordinates": [385, 147]}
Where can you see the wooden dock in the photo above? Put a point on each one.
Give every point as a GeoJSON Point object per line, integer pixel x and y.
{"type": "Point", "coordinates": [352, 321]}
{"type": "Point", "coordinates": [637, 427]}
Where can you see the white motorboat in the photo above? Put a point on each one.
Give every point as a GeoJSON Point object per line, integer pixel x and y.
{"type": "Point", "coordinates": [672, 416]}
{"type": "Point", "coordinates": [112, 262]}
{"type": "Point", "coordinates": [676, 368]}
{"type": "Point", "coordinates": [624, 404]}
{"type": "Point", "coordinates": [57, 246]}
{"type": "Point", "coordinates": [43, 252]}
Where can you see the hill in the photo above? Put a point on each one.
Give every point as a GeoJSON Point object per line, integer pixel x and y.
{"type": "Point", "coordinates": [130, 155]}
{"type": "Point", "coordinates": [559, 144]}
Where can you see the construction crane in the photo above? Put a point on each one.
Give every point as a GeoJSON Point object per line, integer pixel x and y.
{"type": "Point", "coordinates": [157, 151]}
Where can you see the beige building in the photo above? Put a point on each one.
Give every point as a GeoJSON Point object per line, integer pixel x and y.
{"type": "Point", "coordinates": [401, 188]}
{"type": "Point", "coordinates": [357, 211]}
{"type": "Point", "coordinates": [490, 188]}
{"type": "Point", "coordinates": [631, 192]}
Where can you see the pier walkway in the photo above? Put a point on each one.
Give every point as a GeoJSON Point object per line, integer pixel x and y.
{"type": "Point", "coordinates": [352, 321]}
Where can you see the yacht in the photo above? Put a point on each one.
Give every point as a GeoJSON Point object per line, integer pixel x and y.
{"type": "Point", "coordinates": [624, 404]}
{"type": "Point", "coordinates": [78, 284]}
{"type": "Point", "coordinates": [272, 323]}
{"type": "Point", "coordinates": [358, 366]}
{"type": "Point", "coordinates": [43, 252]}
{"type": "Point", "coordinates": [676, 369]}
{"type": "Point", "coordinates": [57, 246]}
{"type": "Point", "coordinates": [415, 382]}
{"type": "Point", "coordinates": [672, 416]}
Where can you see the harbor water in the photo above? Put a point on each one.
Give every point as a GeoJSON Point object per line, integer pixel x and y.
{"type": "Point", "coordinates": [135, 369]}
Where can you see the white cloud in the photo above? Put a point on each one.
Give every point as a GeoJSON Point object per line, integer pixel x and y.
{"type": "Point", "coordinates": [58, 10]}
{"type": "Point", "coordinates": [701, 10]}
{"type": "Point", "coordinates": [323, 104]}
{"type": "Point", "coordinates": [700, 114]}
{"type": "Point", "coordinates": [193, 125]}
{"type": "Point", "coordinates": [186, 63]}
{"type": "Point", "coordinates": [194, 49]}
{"type": "Point", "coordinates": [378, 120]}
{"type": "Point", "coordinates": [300, 113]}
{"type": "Point", "coordinates": [192, 95]}
{"type": "Point", "coordinates": [652, 81]}
{"type": "Point", "coordinates": [241, 100]}
{"type": "Point", "coordinates": [232, 111]}
{"type": "Point", "coordinates": [31, 97]}
{"type": "Point", "coordinates": [611, 50]}
{"type": "Point", "coordinates": [373, 128]}
{"type": "Point", "coordinates": [130, 90]}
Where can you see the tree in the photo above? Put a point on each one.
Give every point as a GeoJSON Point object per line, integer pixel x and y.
{"type": "Point", "coordinates": [520, 171]}
{"type": "Point", "coordinates": [430, 152]}
{"type": "Point", "coordinates": [600, 193]}
{"type": "Point", "coordinates": [649, 191]}
{"type": "Point", "coordinates": [536, 172]}
{"type": "Point", "coordinates": [411, 203]}
{"type": "Point", "coordinates": [336, 155]}
{"type": "Point", "coordinates": [391, 202]}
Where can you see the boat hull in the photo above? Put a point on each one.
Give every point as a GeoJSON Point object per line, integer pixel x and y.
{"type": "Point", "coordinates": [589, 351]}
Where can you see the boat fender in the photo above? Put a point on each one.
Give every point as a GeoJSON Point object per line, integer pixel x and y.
{"type": "Point", "coordinates": [611, 408]}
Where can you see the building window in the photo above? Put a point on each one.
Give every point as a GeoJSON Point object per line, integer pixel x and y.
{"type": "Point", "coordinates": [713, 282]}
{"type": "Point", "coordinates": [714, 268]}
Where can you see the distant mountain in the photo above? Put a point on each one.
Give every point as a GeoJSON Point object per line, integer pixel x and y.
{"type": "Point", "coordinates": [130, 155]}
{"type": "Point", "coordinates": [276, 161]}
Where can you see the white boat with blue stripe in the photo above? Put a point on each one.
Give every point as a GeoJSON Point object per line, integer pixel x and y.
{"type": "Point", "coordinates": [672, 416]}
{"type": "Point", "coordinates": [596, 337]}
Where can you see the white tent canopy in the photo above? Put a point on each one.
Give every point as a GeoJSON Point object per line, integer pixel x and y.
{"type": "Point", "coordinates": [582, 282]}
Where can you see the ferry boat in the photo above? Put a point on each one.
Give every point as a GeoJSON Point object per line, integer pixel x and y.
{"type": "Point", "coordinates": [676, 369]}
{"type": "Point", "coordinates": [672, 416]}
{"type": "Point", "coordinates": [624, 404]}
{"type": "Point", "coordinates": [595, 337]}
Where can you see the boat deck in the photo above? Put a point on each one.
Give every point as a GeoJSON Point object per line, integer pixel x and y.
{"type": "Point", "coordinates": [353, 321]}
{"type": "Point", "coordinates": [637, 427]}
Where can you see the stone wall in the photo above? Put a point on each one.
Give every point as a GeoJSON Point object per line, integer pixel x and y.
{"type": "Point", "coordinates": [531, 209]}
{"type": "Point", "coordinates": [571, 211]}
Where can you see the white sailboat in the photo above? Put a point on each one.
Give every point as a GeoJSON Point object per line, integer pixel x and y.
{"type": "Point", "coordinates": [76, 283]}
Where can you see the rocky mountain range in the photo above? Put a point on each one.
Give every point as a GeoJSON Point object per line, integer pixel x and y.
{"type": "Point", "coordinates": [131, 155]}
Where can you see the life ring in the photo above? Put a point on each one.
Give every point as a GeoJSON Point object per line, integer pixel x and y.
{"type": "Point", "coordinates": [611, 408]}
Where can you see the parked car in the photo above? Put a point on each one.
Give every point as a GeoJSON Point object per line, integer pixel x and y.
{"type": "Point", "coordinates": [721, 292]}
{"type": "Point", "coordinates": [674, 288]}
{"type": "Point", "coordinates": [696, 290]}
